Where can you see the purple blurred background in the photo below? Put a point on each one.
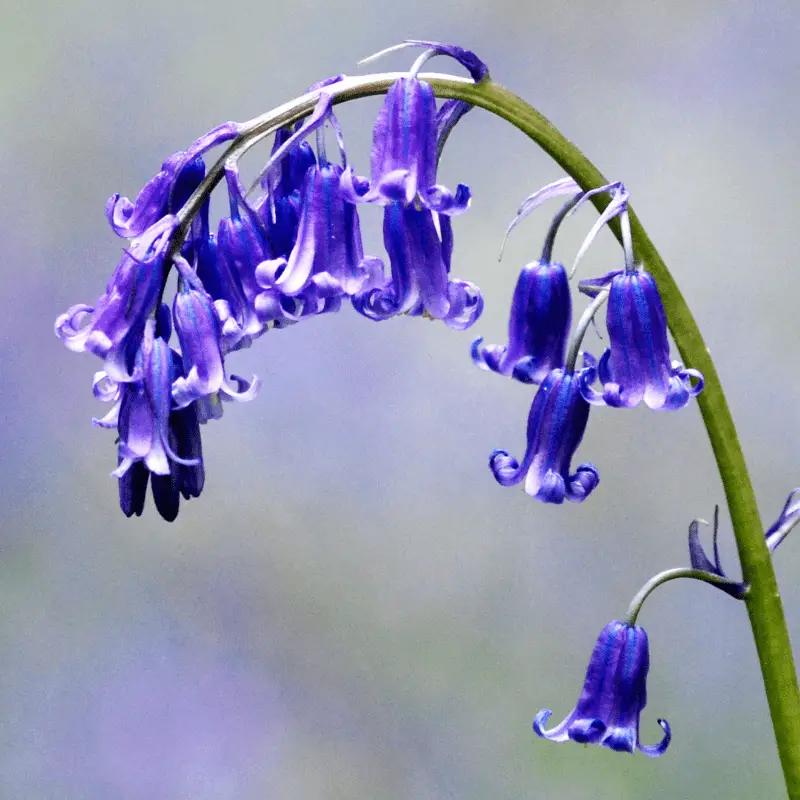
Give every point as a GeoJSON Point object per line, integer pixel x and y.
{"type": "Point", "coordinates": [354, 608]}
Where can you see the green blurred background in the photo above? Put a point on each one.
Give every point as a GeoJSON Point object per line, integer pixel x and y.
{"type": "Point", "coordinates": [354, 608]}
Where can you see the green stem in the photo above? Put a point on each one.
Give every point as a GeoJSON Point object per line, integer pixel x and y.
{"type": "Point", "coordinates": [670, 575]}
{"type": "Point", "coordinates": [763, 600]}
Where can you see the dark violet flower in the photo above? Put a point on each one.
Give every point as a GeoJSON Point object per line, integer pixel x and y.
{"type": "Point", "coordinates": [404, 153]}
{"type": "Point", "coordinates": [419, 256]}
{"type": "Point", "coordinates": [637, 365]}
{"type": "Point", "coordinates": [279, 209]}
{"type": "Point", "coordinates": [113, 328]}
{"type": "Point", "coordinates": [241, 247]}
{"type": "Point", "coordinates": [409, 134]}
{"type": "Point", "coordinates": [245, 307]}
{"type": "Point", "coordinates": [276, 291]}
{"type": "Point", "coordinates": [613, 697]}
{"type": "Point", "coordinates": [145, 408]}
{"type": "Point", "coordinates": [200, 336]}
{"type": "Point", "coordinates": [328, 253]}
{"type": "Point", "coordinates": [541, 312]}
{"type": "Point", "coordinates": [169, 189]}
{"type": "Point", "coordinates": [154, 438]}
{"type": "Point", "coordinates": [556, 424]}
{"type": "Point", "coordinates": [184, 436]}
{"type": "Point", "coordinates": [541, 307]}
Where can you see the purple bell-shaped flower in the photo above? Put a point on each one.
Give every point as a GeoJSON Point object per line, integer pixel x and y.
{"type": "Point", "coordinates": [613, 697]}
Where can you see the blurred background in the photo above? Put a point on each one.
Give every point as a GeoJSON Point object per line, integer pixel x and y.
{"type": "Point", "coordinates": [354, 608]}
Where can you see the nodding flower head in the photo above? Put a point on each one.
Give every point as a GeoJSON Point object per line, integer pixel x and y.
{"type": "Point", "coordinates": [200, 335]}
{"type": "Point", "coordinates": [538, 326]}
{"type": "Point", "coordinates": [154, 438]}
{"type": "Point", "coordinates": [556, 423]}
{"type": "Point", "coordinates": [169, 189]}
{"type": "Point", "coordinates": [279, 208]}
{"type": "Point", "coordinates": [419, 256]}
{"type": "Point", "coordinates": [613, 697]}
{"type": "Point", "coordinates": [328, 253]}
{"type": "Point", "coordinates": [408, 135]}
{"type": "Point", "coordinates": [292, 252]}
{"type": "Point", "coordinates": [113, 328]}
{"type": "Point", "coordinates": [637, 366]}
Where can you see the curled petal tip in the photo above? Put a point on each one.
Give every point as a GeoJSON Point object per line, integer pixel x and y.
{"type": "Point", "coordinates": [539, 722]}
{"type": "Point", "coordinates": [656, 750]}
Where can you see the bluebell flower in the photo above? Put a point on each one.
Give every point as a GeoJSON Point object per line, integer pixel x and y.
{"type": "Point", "coordinates": [200, 337]}
{"type": "Point", "coordinates": [183, 480]}
{"type": "Point", "coordinates": [155, 440]}
{"type": "Point", "coordinates": [419, 256]}
{"type": "Point", "coordinates": [169, 189]}
{"type": "Point", "coordinates": [328, 253]}
{"type": "Point", "coordinates": [613, 697]}
{"type": "Point", "coordinates": [637, 366]}
{"type": "Point", "coordinates": [112, 329]}
{"type": "Point", "coordinates": [538, 326]}
{"type": "Point", "coordinates": [406, 138]}
{"type": "Point", "coordinates": [404, 151]}
{"type": "Point", "coordinates": [241, 247]}
{"type": "Point", "coordinates": [247, 306]}
{"type": "Point", "coordinates": [279, 208]}
{"type": "Point", "coordinates": [556, 424]}
{"type": "Point", "coordinates": [541, 307]}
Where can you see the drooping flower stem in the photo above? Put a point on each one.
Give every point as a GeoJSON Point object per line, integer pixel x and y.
{"type": "Point", "coordinates": [763, 600]}
{"type": "Point", "coordinates": [580, 329]}
{"type": "Point", "coordinates": [670, 575]}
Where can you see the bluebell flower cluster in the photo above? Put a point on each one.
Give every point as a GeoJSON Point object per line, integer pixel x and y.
{"type": "Point", "coordinates": [290, 248]}
{"type": "Point", "coordinates": [613, 697]}
{"type": "Point", "coordinates": [635, 367]}
{"type": "Point", "coordinates": [287, 252]}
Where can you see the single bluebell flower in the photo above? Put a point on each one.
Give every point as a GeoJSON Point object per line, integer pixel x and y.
{"type": "Point", "coordinates": [265, 288]}
{"type": "Point", "coordinates": [637, 366]}
{"type": "Point", "coordinates": [404, 153]}
{"type": "Point", "coordinates": [538, 326]}
{"type": "Point", "coordinates": [188, 481]}
{"type": "Point", "coordinates": [246, 308]}
{"type": "Point", "coordinates": [154, 438]}
{"type": "Point", "coordinates": [406, 139]}
{"type": "Point", "coordinates": [328, 253]}
{"type": "Point", "coordinates": [200, 336]}
{"type": "Point", "coordinates": [556, 423]}
{"type": "Point", "coordinates": [613, 697]}
{"type": "Point", "coordinates": [169, 189]}
{"type": "Point", "coordinates": [541, 307]}
{"type": "Point", "coordinates": [420, 256]}
{"type": "Point", "coordinates": [232, 307]}
{"type": "Point", "coordinates": [145, 406]}
{"type": "Point", "coordinates": [112, 329]}
{"type": "Point", "coordinates": [279, 209]}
